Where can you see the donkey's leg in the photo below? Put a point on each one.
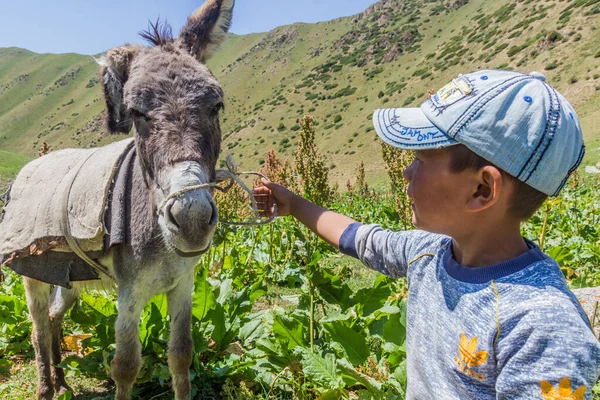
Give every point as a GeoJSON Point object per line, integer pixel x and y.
{"type": "Point", "coordinates": [180, 340]}
{"type": "Point", "coordinates": [128, 359]}
{"type": "Point", "coordinates": [60, 302]}
{"type": "Point", "coordinates": [38, 294]}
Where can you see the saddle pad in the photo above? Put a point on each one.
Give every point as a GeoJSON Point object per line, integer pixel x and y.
{"type": "Point", "coordinates": [72, 181]}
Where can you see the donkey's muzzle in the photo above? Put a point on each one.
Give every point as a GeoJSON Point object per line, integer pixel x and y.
{"type": "Point", "coordinates": [191, 219]}
{"type": "Point", "coordinates": [188, 214]}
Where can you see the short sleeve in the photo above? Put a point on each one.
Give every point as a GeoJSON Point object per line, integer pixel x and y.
{"type": "Point", "coordinates": [387, 251]}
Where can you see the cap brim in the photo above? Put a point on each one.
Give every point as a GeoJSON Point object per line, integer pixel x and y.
{"type": "Point", "coordinates": [409, 128]}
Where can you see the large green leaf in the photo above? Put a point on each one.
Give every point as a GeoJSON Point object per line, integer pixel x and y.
{"type": "Point", "coordinates": [204, 299]}
{"type": "Point", "coordinates": [288, 331]}
{"type": "Point", "coordinates": [399, 375]}
{"type": "Point", "coordinates": [321, 369]}
{"type": "Point", "coordinates": [217, 318]}
{"type": "Point", "coordinates": [560, 254]}
{"type": "Point", "coordinates": [279, 356]}
{"type": "Point", "coordinates": [258, 289]}
{"type": "Point", "coordinates": [253, 327]}
{"type": "Point", "coordinates": [225, 291]}
{"type": "Point", "coordinates": [81, 314]}
{"type": "Point", "coordinates": [101, 304]}
{"type": "Point", "coordinates": [369, 300]}
{"type": "Point", "coordinates": [396, 354]}
{"type": "Point", "coordinates": [65, 396]}
{"type": "Point", "coordinates": [152, 324]}
{"type": "Point", "coordinates": [394, 329]}
{"type": "Point", "coordinates": [331, 288]}
{"type": "Point", "coordinates": [161, 304]}
{"type": "Point", "coordinates": [353, 343]}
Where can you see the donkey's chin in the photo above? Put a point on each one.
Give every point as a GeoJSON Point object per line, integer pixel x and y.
{"type": "Point", "coordinates": [184, 248]}
{"type": "Point", "coordinates": [190, 254]}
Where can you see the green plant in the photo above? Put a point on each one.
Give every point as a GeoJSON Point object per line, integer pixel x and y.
{"type": "Point", "coordinates": [553, 65]}
{"type": "Point", "coordinates": [396, 161]}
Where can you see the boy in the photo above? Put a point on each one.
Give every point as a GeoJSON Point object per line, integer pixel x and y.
{"type": "Point", "coordinates": [489, 315]}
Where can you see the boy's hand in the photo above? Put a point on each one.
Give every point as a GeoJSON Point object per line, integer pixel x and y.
{"type": "Point", "coordinates": [327, 224]}
{"type": "Point", "coordinates": [268, 194]}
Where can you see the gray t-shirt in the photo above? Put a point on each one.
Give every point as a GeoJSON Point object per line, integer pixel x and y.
{"type": "Point", "coordinates": [506, 331]}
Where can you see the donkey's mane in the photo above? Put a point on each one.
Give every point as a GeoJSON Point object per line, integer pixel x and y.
{"type": "Point", "coordinates": [158, 33]}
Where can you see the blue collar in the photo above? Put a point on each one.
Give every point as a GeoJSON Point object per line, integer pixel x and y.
{"type": "Point", "coordinates": [491, 272]}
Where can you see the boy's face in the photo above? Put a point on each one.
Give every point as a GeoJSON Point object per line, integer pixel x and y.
{"type": "Point", "coordinates": [439, 196]}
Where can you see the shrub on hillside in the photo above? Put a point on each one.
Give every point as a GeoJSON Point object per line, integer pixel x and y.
{"type": "Point", "coordinates": [420, 72]}
{"type": "Point", "coordinates": [408, 101]}
{"type": "Point", "coordinates": [347, 91]}
{"type": "Point", "coordinates": [552, 65]}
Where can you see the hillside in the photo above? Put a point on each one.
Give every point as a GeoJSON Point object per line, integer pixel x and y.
{"type": "Point", "coordinates": [338, 71]}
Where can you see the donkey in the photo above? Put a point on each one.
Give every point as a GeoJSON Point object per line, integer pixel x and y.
{"type": "Point", "coordinates": [173, 101]}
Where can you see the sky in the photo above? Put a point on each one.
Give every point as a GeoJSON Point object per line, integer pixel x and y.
{"type": "Point", "coordinates": [94, 26]}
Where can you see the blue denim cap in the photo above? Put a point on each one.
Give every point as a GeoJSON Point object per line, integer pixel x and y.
{"type": "Point", "coordinates": [516, 121]}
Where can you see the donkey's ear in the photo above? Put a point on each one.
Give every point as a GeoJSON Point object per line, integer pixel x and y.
{"type": "Point", "coordinates": [114, 74]}
{"type": "Point", "coordinates": [207, 28]}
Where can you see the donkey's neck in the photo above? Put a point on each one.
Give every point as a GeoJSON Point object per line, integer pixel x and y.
{"type": "Point", "coordinates": [144, 232]}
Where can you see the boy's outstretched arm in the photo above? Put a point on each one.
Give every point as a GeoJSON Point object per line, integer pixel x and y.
{"type": "Point", "coordinates": [327, 224]}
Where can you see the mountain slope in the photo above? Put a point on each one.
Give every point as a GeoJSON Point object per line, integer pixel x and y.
{"type": "Point", "coordinates": [391, 55]}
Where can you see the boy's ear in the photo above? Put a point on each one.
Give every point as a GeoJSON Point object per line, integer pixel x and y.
{"type": "Point", "coordinates": [490, 186]}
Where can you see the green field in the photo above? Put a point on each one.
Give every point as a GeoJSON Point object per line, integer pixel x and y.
{"type": "Point", "coordinates": [10, 164]}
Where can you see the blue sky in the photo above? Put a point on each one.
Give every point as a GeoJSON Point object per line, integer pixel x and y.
{"type": "Point", "coordinates": [94, 26]}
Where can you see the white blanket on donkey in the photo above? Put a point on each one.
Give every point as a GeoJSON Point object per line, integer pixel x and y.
{"type": "Point", "coordinates": [75, 180]}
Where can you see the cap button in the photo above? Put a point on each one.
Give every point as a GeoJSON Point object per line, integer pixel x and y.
{"type": "Point", "coordinates": [539, 76]}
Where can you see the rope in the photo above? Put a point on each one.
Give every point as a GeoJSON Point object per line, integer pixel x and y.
{"type": "Point", "coordinates": [233, 176]}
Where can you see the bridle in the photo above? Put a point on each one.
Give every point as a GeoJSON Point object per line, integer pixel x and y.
{"type": "Point", "coordinates": [234, 177]}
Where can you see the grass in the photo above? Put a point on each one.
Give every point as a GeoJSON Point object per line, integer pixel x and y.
{"type": "Point", "coordinates": [21, 385]}
{"type": "Point", "coordinates": [10, 164]}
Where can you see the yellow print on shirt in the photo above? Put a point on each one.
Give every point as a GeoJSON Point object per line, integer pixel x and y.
{"type": "Point", "coordinates": [563, 392]}
{"type": "Point", "coordinates": [469, 358]}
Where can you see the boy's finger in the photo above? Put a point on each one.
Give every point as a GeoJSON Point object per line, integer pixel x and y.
{"type": "Point", "coordinates": [261, 190]}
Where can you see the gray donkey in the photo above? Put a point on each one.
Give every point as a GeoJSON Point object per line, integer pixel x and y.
{"type": "Point", "coordinates": [173, 101]}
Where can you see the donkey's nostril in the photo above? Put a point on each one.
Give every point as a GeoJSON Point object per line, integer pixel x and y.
{"type": "Point", "coordinates": [170, 219]}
